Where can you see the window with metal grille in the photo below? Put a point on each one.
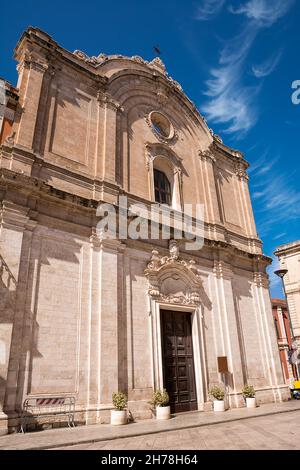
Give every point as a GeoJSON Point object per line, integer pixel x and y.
{"type": "Point", "coordinates": [162, 188]}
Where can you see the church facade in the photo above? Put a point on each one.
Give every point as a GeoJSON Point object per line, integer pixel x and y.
{"type": "Point", "coordinates": [84, 314]}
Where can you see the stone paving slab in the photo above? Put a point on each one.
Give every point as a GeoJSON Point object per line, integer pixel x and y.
{"type": "Point", "coordinates": [62, 437]}
{"type": "Point", "coordinates": [271, 432]}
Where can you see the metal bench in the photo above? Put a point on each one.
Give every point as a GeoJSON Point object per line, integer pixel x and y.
{"type": "Point", "coordinates": [41, 407]}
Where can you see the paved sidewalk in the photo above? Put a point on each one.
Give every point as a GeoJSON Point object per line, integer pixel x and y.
{"type": "Point", "coordinates": [62, 437]}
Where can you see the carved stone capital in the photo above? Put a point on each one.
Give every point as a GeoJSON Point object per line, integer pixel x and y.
{"type": "Point", "coordinates": [222, 270]}
{"type": "Point", "coordinates": [149, 158]}
{"type": "Point", "coordinates": [31, 61]}
{"type": "Point", "coordinates": [105, 100]}
{"type": "Point", "coordinates": [207, 155]}
{"type": "Point", "coordinates": [95, 240]}
{"type": "Point", "coordinates": [177, 171]}
{"type": "Point", "coordinates": [241, 172]}
{"type": "Point", "coordinates": [261, 280]}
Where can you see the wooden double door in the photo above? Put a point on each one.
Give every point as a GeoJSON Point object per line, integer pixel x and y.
{"type": "Point", "coordinates": [178, 360]}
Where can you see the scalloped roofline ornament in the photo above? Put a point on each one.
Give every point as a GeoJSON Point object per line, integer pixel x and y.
{"type": "Point", "coordinates": [156, 63]}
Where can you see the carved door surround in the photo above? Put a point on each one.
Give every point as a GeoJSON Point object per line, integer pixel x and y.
{"type": "Point", "coordinates": [176, 284]}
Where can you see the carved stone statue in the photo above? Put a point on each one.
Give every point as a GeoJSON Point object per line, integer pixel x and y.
{"type": "Point", "coordinates": [174, 249]}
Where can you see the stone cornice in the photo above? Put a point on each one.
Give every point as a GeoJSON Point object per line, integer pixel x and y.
{"type": "Point", "coordinates": [34, 187]}
{"type": "Point", "coordinates": [289, 248]}
{"type": "Point", "coordinates": [235, 155]}
{"type": "Point", "coordinates": [36, 37]}
{"type": "Point", "coordinates": [227, 249]}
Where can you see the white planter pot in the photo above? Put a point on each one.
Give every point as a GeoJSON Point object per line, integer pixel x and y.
{"type": "Point", "coordinates": [163, 412]}
{"type": "Point", "coordinates": [118, 417]}
{"type": "Point", "coordinates": [251, 402]}
{"type": "Point", "coordinates": [219, 405]}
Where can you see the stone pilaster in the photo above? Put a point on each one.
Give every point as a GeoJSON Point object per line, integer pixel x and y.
{"type": "Point", "coordinates": [245, 202]}
{"type": "Point", "coordinates": [30, 95]}
{"type": "Point", "coordinates": [228, 327]}
{"type": "Point", "coordinates": [94, 327]}
{"type": "Point", "coordinates": [177, 190]}
{"type": "Point", "coordinates": [40, 129]}
{"type": "Point", "coordinates": [111, 259]}
{"type": "Point", "coordinates": [15, 236]}
{"type": "Point", "coordinates": [208, 161]}
{"type": "Point", "coordinates": [107, 128]}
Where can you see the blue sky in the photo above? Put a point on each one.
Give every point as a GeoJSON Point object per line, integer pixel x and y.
{"type": "Point", "coordinates": [235, 59]}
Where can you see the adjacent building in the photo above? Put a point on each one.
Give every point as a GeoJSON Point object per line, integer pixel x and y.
{"type": "Point", "coordinates": [284, 338]}
{"type": "Point", "coordinates": [8, 101]}
{"type": "Point", "coordinates": [289, 258]}
{"type": "Point", "coordinates": [83, 314]}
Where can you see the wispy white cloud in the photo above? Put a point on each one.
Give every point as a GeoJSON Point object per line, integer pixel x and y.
{"type": "Point", "coordinates": [232, 107]}
{"type": "Point", "coordinates": [236, 49]}
{"type": "Point", "coordinates": [230, 101]}
{"type": "Point", "coordinates": [280, 235]}
{"type": "Point", "coordinates": [259, 161]}
{"type": "Point", "coordinates": [278, 196]}
{"type": "Point", "coordinates": [208, 9]}
{"type": "Point", "coordinates": [292, 124]}
{"type": "Point", "coordinates": [266, 166]}
{"type": "Point", "coordinates": [268, 66]}
{"type": "Point", "coordinates": [276, 200]}
{"type": "Point", "coordinates": [263, 12]}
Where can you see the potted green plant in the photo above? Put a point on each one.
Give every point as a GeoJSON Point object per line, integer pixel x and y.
{"type": "Point", "coordinates": [248, 393]}
{"type": "Point", "coordinates": [119, 414]}
{"type": "Point", "coordinates": [218, 394]}
{"type": "Point", "coordinates": [161, 400]}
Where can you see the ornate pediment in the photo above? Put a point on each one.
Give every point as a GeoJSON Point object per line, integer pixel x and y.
{"type": "Point", "coordinates": [172, 279]}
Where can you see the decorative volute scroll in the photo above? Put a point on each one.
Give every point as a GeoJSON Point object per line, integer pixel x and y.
{"type": "Point", "coordinates": [172, 279]}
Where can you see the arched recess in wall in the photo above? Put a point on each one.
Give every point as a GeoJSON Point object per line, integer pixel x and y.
{"type": "Point", "coordinates": [160, 157]}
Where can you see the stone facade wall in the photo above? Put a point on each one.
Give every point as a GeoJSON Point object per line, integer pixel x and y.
{"type": "Point", "coordinates": [80, 315]}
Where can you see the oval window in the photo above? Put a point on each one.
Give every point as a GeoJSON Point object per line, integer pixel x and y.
{"type": "Point", "coordinates": [161, 125]}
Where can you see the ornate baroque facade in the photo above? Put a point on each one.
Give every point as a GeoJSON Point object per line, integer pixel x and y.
{"type": "Point", "coordinates": [86, 316]}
